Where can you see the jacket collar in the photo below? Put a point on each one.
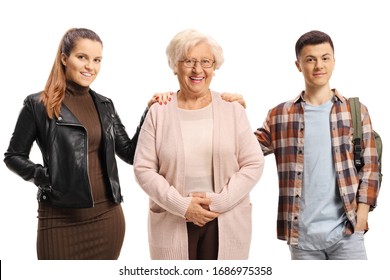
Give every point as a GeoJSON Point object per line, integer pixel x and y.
{"type": "Point", "coordinates": [66, 116]}
{"type": "Point", "coordinates": [99, 98]}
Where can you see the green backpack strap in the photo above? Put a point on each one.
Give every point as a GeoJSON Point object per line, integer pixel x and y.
{"type": "Point", "coordinates": [357, 130]}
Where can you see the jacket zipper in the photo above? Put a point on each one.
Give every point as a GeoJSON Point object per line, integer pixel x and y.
{"type": "Point", "coordinates": [86, 145]}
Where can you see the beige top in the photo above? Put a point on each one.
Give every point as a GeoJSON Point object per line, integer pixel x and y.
{"type": "Point", "coordinates": [197, 133]}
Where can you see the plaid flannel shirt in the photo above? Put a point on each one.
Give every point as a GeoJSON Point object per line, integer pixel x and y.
{"type": "Point", "coordinates": [283, 134]}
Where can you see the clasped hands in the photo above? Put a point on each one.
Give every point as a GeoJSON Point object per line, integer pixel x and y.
{"type": "Point", "coordinates": [198, 212]}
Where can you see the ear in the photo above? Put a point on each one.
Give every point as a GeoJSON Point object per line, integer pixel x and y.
{"type": "Point", "coordinates": [63, 59]}
{"type": "Point", "coordinates": [175, 70]}
{"type": "Point", "coordinates": [298, 66]}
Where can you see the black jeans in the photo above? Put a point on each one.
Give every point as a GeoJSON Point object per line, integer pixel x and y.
{"type": "Point", "coordinates": [203, 241]}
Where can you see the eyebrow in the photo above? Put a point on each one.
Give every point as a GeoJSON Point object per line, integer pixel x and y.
{"type": "Point", "coordinates": [310, 55]}
{"type": "Point", "coordinates": [84, 54]}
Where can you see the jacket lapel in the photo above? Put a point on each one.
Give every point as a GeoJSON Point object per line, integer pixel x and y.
{"type": "Point", "coordinates": [66, 116]}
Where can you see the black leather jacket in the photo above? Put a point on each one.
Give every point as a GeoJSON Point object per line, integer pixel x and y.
{"type": "Point", "coordinates": [63, 179]}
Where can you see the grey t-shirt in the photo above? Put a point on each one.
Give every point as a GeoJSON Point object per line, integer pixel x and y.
{"type": "Point", "coordinates": [322, 217]}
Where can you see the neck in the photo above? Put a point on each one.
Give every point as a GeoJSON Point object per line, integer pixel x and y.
{"type": "Point", "coordinates": [318, 96]}
{"type": "Point", "coordinates": [75, 89]}
{"type": "Point", "coordinates": [193, 102]}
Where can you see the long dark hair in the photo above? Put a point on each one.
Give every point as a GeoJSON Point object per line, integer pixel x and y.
{"type": "Point", "coordinates": [54, 92]}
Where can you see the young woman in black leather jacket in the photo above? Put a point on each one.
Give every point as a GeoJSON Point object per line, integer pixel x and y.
{"type": "Point", "coordinates": [79, 133]}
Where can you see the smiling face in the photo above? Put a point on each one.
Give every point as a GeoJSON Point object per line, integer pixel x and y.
{"type": "Point", "coordinates": [195, 81]}
{"type": "Point", "coordinates": [83, 63]}
{"type": "Point", "coordinates": [316, 62]}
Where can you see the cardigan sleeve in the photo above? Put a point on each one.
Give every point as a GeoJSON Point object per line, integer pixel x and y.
{"type": "Point", "coordinates": [146, 167]}
{"type": "Point", "coordinates": [251, 163]}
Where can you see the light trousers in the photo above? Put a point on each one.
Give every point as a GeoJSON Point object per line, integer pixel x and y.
{"type": "Point", "coordinates": [348, 248]}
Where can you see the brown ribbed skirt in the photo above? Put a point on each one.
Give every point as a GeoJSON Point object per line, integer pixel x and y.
{"type": "Point", "coordinates": [76, 234]}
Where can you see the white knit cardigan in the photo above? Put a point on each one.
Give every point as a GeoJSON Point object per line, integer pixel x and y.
{"type": "Point", "coordinates": [159, 167]}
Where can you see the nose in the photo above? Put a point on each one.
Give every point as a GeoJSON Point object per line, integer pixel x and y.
{"type": "Point", "coordinates": [88, 64]}
{"type": "Point", "coordinates": [319, 64]}
{"type": "Point", "coordinates": [197, 67]}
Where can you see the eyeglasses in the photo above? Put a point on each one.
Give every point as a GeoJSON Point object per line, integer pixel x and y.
{"type": "Point", "coordinates": [190, 63]}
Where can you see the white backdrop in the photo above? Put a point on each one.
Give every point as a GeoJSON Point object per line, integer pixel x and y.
{"type": "Point", "coordinates": [258, 38]}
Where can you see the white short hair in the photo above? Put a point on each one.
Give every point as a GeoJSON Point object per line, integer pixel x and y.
{"type": "Point", "coordinates": [185, 40]}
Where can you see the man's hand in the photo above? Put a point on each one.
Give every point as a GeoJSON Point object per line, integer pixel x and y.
{"type": "Point", "coordinates": [362, 216]}
{"type": "Point", "coordinates": [230, 97]}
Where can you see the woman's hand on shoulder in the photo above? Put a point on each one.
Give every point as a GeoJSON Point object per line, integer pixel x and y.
{"type": "Point", "coordinates": [230, 97]}
{"type": "Point", "coordinates": [160, 98]}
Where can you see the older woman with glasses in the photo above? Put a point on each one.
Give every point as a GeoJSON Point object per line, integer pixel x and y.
{"type": "Point", "coordinates": [199, 184]}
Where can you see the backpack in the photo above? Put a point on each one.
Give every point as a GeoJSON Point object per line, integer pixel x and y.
{"type": "Point", "coordinates": [357, 136]}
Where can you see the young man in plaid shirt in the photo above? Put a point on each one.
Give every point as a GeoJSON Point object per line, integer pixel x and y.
{"type": "Point", "coordinates": [323, 200]}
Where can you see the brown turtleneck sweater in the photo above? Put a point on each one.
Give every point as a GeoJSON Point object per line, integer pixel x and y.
{"type": "Point", "coordinates": [81, 104]}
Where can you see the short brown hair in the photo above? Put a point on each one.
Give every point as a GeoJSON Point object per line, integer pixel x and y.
{"type": "Point", "coordinates": [313, 37]}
